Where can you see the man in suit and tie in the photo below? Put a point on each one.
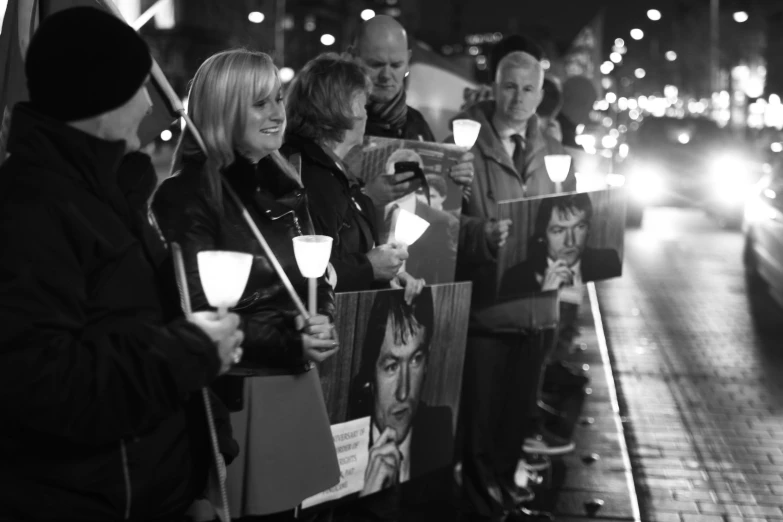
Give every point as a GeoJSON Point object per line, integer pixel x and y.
{"type": "Point", "coordinates": [409, 437]}
{"type": "Point", "coordinates": [558, 252]}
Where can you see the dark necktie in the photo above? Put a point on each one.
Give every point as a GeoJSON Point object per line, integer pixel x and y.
{"type": "Point", "coordinates": [519, 154]}
{"type": "Point", "coordinates": [389, 221]}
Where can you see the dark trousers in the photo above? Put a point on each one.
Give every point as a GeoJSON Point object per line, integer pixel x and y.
{"type": "Point", "coordinates": [500, 382]}
{"type": "Point", "coordinates": [567, 329]}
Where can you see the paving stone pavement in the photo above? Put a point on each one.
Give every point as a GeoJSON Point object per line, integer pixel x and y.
{"type": "Point", "coordinates": [699, 370]}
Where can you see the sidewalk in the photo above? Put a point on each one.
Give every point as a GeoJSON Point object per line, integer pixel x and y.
{"type": "Point", "coordinates": [598, 472]}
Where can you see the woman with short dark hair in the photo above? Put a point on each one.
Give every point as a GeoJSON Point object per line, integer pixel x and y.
{"type": "Point", "coordinates": [326, 119]}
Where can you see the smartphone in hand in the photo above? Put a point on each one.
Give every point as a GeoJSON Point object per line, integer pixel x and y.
{"type": "Point", "coordinates": [413, 166]}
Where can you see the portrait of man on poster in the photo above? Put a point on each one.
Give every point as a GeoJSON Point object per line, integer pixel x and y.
{"type": "Point", "coordinates": [558, 255]}
{"type": "Point", "coordinates": [409, 437]}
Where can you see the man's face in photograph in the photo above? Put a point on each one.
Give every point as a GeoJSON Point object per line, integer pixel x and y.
{"type": "Point", "coordinates": [399, 378]}
{"type": "Point", "coordinates": [566, 235]}
{"type": "Point", "coordinates": [436, 198]}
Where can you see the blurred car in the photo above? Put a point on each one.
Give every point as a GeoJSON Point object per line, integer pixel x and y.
{"type": "Point", "coordinates": [688, 162]}
{"type": "Point", "coordinates": [762, 227]}
{"type": "Point", "coordinates": [596, 161]}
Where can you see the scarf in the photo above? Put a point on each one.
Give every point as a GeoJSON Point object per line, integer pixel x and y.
{"type": "Point", "coordinates": [385, 118]}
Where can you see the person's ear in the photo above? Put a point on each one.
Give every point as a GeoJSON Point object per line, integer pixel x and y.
{"type": "Point", "coordinates": [539, 97]}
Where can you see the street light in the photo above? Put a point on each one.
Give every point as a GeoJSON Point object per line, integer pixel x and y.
{"type": "Point", "coordinates": [607, 67]}
{"type": "Point", "coordinates": [637, 34]}
{"type": "Point", "coordinates": [671, 56]}
{"type": "Point", "coordinates": [256, 17]}
{"type": "Point", "coordinates": [640, 73]}
{"type": "Point", "coordinates": [740, 17]}
{"type": "Point", "coordinates": [367, 14]}
{"type": "Point", "coordinates": [619, 42]}
{"type": "Point", "coordinates": [286, 74]}
{"type": "Point", "coordinates": [327, 39]}
{"type": "Point", "coordinates": [616, 57]}
{"type": "Point", "coordinates": [654, 15]}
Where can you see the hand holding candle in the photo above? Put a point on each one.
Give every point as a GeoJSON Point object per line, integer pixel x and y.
{"type": "Point", "coordinates": [223, 277]}
{"type": "Point", "coordinates": [312, 255]}
{"type": "Point", "coordinates": [409, 227]}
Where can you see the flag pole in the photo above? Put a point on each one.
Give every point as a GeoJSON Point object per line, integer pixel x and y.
{"type": "Point", "coordinates": [224, 511]}
{"type": "Point", "coordinates": [147, 15]}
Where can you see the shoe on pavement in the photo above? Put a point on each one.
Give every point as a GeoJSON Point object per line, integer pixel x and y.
{"type": "Point", "coordinates": [517, 495]}
{"type": "Point", "coordinates": [536, 463]}
{"type": "Point", "coordinates": [550, 410]}
{"type": "Point", "coordinates": [545, 443]}
{"type": "Point", "coordinates": [561, 375]}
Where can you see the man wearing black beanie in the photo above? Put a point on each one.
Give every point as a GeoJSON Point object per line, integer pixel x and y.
{"type": "Point", "coordinates": [99, 371]}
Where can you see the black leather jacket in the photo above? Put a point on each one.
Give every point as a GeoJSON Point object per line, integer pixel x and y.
{"type": "Point", "coordinates": [278, 205]}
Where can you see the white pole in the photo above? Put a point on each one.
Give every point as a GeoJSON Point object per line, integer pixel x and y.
{"type": "Point", "coordinates": [147, 15]}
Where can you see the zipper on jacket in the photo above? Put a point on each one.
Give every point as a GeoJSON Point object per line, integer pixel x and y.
{"type": "Point", "coordinates": [296, 222]}
{"type": "Point", "coordinates": [296, 219]}
{"type": "Point", "coordinates": [126, 475]}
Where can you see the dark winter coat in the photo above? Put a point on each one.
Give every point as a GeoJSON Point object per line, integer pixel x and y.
{"type": "Point", "coordinates": [340, 210]}
{"type": "Point", "coordinates": [99, 380]}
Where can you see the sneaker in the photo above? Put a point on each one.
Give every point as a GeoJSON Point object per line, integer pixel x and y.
{"type": "Point", "coordinates": [562, 375]}
{"type": "Point", "coordinates": [536, 463]}
{"type": "Point", "coordinates": [516, 495]}
{"type": "Point", "coordinates": [545, 443]}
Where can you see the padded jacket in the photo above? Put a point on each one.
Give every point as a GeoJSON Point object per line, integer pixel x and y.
{"type": "Point", "coordinates": [100, 375]}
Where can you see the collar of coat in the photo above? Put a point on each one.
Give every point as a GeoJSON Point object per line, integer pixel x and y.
{"type": "Point", "coordinates": [315, 153]}
{"type": "Point", "coordinates": [272, 191]}
{"type": "Point", "coordinates": [490, 146]}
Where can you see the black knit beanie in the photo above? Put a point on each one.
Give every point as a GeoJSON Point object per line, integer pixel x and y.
{"type": "Point", "coordinates": [83, 62]}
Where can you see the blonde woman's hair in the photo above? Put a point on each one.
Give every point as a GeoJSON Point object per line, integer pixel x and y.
{"type": "Point", "coordinates": [221, 93]}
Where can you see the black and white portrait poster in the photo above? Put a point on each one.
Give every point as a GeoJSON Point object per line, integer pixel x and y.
{"type": "Point", "coordinates": [392, 391]}
{"type": "Point", "coordinates": [435, 198]}
{"type": "Point", "coordinates": [561, 241]}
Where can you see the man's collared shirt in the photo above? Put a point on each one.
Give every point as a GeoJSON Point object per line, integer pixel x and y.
{"type": "Point", "coordinates": [508, 142]}
{"type": "Point", "coordinates": [405, 450]}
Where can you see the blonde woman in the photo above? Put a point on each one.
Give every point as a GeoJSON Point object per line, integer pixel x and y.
{"type": "Point", "coordinates": [287, 453]}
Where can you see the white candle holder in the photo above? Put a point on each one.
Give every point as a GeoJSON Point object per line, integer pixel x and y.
{"type": "Point", "coordinates": [223, 276]}
{"type": "Point", "coordinates": [557, 166]}
{"type": "Point", "coordinates": [312, 256]}
{"type": "Point", "coordinates": [466, 133]}
{"type": "Point", "coordinates": [409, 227]}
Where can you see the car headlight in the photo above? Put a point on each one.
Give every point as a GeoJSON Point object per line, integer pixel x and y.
{"type": "Point", "coordinates": [731, 179]}
{"type": "Point", "coordinates": [647, 184]}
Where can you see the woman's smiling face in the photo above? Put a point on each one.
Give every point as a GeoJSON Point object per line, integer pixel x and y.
{"type": "Point", "coordinates": [264, 126]}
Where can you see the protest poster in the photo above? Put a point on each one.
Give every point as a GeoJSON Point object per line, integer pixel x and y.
{"type": "Point", "coordinates": [351, 440]}
{"type": "Point", "coordinates": [435, 198]}
{"type": "Point", "coordinates": [399, 374]}
{"type": "Point", "coordinates": [560, 241]}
